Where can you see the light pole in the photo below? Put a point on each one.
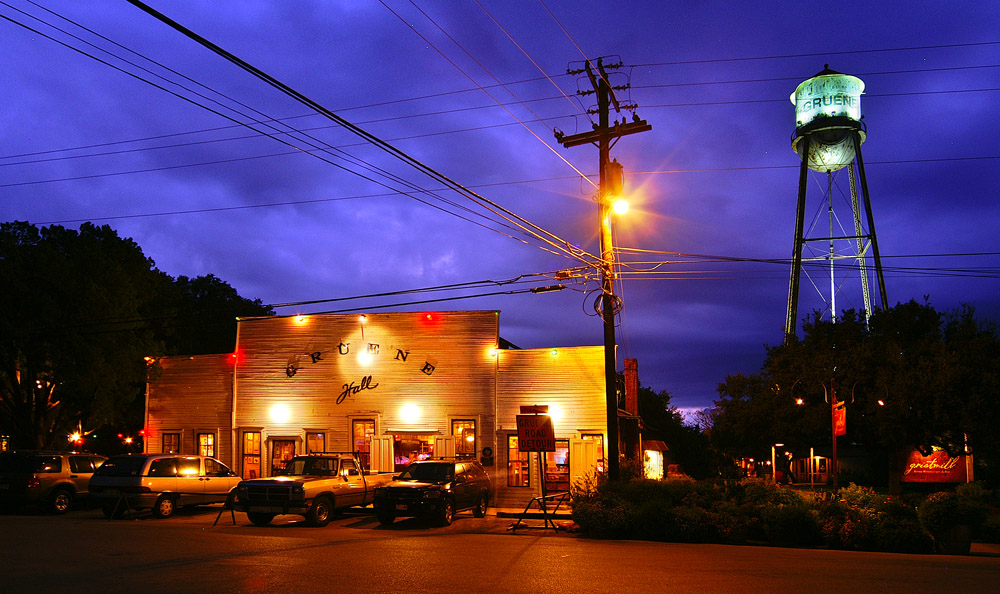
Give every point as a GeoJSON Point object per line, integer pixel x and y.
{"type": "Point", "coordinates": [774, 469]}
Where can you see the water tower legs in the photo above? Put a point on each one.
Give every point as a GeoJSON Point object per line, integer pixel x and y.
{"type": "Point", "coordinates": [861, 240]}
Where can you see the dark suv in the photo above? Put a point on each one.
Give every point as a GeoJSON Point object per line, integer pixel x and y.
{"type": "Point", "coordinates": [435, 489]}
{"type": "Point", "coordinates": [54, 480]}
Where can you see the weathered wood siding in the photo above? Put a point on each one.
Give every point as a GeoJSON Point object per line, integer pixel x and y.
{"type": "Point", "coordinates": [323, 370]}
{"type": "Point", "coordinates": [191, 395]}
{"type": "Point", "coordinates": [570, 380]}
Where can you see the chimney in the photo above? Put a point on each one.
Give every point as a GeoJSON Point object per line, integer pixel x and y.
{"type": "Point", "coordinates": [632, 386]}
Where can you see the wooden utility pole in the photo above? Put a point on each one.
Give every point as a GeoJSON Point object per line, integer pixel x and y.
{"type": "Point", "coordinates": [603, 135]}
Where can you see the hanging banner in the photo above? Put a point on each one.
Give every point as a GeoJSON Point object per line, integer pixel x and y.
{"type": "Point", "coordinates": [839, 418]}
{"type": "Point", "coordinates": [939, 467]}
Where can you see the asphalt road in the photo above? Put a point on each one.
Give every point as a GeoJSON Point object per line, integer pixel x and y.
{"type": "Point", "coordinates": [84, 552]}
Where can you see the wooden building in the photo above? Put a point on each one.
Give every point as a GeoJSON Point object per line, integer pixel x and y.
{"type": "Point", "coordinates": [393, 386]}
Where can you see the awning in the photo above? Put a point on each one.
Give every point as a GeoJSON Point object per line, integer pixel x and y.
{"type": "Point", "coordinates": [655, 445]}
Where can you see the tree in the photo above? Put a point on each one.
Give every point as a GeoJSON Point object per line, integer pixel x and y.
{"type": "Point", "coordinates": [78, 313]}
{"type": "Point", "coordinates": [661, 420]}
{"type": "Point", "coordinates": [72, 337]}
{"type": "Point", "coordinates": [911, 378]}
{"type": "Point", "coordinates": [206, 312]}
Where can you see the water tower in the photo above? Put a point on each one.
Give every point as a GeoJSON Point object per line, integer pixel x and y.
{"type": "Point", "coordinates": [828, 137]}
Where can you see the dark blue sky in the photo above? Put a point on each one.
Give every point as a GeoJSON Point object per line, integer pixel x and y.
{"type": "Point", "coordinates": [284, 217]}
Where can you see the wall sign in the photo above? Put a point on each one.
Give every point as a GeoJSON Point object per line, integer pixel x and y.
{"type": "Point", "coordinates": [344, 348]}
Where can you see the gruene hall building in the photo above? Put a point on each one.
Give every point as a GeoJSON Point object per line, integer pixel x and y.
{"type": "Point", "coordinates": [395, 387]}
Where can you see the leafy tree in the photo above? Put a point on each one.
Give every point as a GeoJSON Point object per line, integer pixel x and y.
{"type": "Point", "coordinates": [72, 337]}
{"type": "Point", "coordinates": [78, 313]}
{"type": "Point", "coordinates": [206, 312]}
{"type": "Point", "coordinates": [688, 446]}
{"type": "Point", "coordinates": [911, 378]}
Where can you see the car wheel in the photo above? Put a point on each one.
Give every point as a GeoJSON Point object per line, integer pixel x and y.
{"type": "Point", "coordinates": [164, 507]}
{"type": "Point", "coordinates": [385, 517]}
{"type": "Point", "coordinates": [447, 512]}
{"type": "Point", "coordinates": [62, 500]}
{"type": "Point", "coordinates": [480, 510]}
{"type": "Point", "coordinates": [259, 518]}
{"type": "Point", "coordinates": [320, 512]}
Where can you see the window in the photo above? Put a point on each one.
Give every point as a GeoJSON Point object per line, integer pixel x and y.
{"type": "Point", "coordinates": [315, 442]}
{"type": "Point", "coordinates": [189, 467]}
{"type": "Point", "coordinates": [82, 464]}
{"type": "Point", "coordinates": [216, 468]}
{"type": "Point", "coordinates": [599, 438]}
{"type": "Point", "coordinates": [251, 454]}
{"type": "Point", "coordinates": [362, 431]}
{"type": "Point", "coordinates": [464, 431]}
{"type": "Point", "coordinates": [206, 444]}
{"type": "Point", "coordinates": [518, 468]}
{"type": "Point", "coordinates": [167, 467]}
{"type": "Point", "coordinates": [171, 443]}
{"type": "Point", "coordinates": [410, 448]}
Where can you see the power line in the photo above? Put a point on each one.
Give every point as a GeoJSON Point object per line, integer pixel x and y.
{"type": "Point", "coordinates": [817, 54]}
{"type": "Point", "coordinates": [552, 240]}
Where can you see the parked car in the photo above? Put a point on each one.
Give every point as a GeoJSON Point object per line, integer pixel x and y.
{"type": "Point", "coordinates": [313, 486]}
{"type": "Point", "coordinates": [160, 482]}
{"type": "Point", "coordinates": [54, 480]}
{"type": "Point", "coordinates": [436, 489]}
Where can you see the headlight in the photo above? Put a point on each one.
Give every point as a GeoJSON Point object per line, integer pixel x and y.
{"type": "Point", "coordinates": [434, 494]}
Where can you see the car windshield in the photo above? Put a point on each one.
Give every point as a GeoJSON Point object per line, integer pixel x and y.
{"type": "Point", "coordinates": [123, 466]}
{"type": "Point", "coordinates": [430, 473]}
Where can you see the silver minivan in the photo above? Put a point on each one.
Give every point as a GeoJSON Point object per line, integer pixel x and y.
{"type": "Point", "coordinates": [160, 482]}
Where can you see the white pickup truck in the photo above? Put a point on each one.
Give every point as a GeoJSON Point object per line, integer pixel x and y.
{"type": "Point", "coordinates": [313, 486]}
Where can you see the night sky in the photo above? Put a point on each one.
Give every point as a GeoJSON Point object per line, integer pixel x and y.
{"type": "Point", "coordinates": [110, 116]}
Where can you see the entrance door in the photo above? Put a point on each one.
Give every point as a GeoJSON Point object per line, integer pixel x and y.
{"type": "Point", "coordinates": [251, 454]}
{"type": "Point", "coordinates": [282, 450]}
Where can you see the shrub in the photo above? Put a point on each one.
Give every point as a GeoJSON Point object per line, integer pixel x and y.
{"type": "Point", "coordinates": [944, 510]}
{"type": "Point", "coordinates": [791, 525]}
{"type": "Point", "coordinates": [990, 531]}
{"type": "Point", "coordinates": [603, 517]}
{"type": "Point", "coordinates": [730, 523]}
{"type": "Point", "coordinates": [845, 527]}
{"type": "Point", "coordinates": [898, 529]}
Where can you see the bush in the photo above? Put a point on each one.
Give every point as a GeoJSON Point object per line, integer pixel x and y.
{"type": "Point", "coordinates": [944, 510]}
{"type": "Point", "coordinates": [603, 518]}
{"type": "Point", "coordinates": [990, 531]}
{"type": "Point", "coordinates": [898, 529]}
{"type": "Point", "coordinates": [791, 525]}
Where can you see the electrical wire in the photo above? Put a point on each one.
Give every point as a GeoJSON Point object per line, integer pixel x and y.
{"type": "Point", "coordinates": [554, 242]}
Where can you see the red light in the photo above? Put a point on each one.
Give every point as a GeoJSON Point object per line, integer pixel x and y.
{"type": "Point", "coordinates": [142, 431]}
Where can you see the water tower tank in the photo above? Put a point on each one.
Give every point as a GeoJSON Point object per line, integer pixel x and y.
{"type": "Point", "coordinates": [828, 111]}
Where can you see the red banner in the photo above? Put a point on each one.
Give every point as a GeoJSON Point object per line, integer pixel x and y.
{"type": "Point", "coordinates": [939, 467]}
{"type": "Point", "coordinates": [839, 418]}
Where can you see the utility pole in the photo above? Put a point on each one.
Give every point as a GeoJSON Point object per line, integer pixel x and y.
{"type": "Point", "coordinates": [604, 135]}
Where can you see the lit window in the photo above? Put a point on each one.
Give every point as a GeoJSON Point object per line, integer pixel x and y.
{"type": "Point", "coordinates": [518, 468]}
{"type": "Point", "coordinates": [464, 431]}
{"type": "Point", "coordinates": [206, 444]}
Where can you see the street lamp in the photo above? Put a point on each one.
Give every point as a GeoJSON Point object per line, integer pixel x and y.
{"type": "Point", "coordinates": [774, 470]}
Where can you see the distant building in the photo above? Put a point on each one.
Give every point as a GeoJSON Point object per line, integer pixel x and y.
{"type": "Point", "coordinates": [393, 386]}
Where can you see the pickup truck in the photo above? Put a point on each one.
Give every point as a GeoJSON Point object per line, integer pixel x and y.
{"type": "Point", "coordinates": [313, 486]}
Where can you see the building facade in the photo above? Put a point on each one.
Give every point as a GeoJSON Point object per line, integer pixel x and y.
{"type": "Point", "coordinates": [393, 386]}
